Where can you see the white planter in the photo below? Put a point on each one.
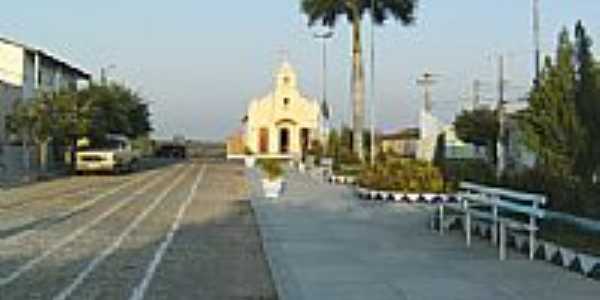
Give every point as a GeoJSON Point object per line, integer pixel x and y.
{"type": "Point", "coordinates": [250, 161]}
{"type": "Point", "coordinates": [568, 256]}
{"type": "Point", "coordinates": [429, 197]}
{"type": "Point", "coordinates": [272, 188]}
{"type": "Point", "coordinates": [443, 198]}
{"type": "Point", "coordinates": [588, 262]}
{"type": "Point", "coordinates": [398, 197]}
{"type": "Point", "coordinates": [384, 195]}
{"type": "Point", "coordinates": [550, 250]}
{"type": "Point", "coordinates": [373, 195]}
{"type": "Point", "coordinates": [413, 197]}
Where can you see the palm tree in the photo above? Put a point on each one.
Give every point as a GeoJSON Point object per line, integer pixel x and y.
{"type": "Point", "coordinates": [326, 12]}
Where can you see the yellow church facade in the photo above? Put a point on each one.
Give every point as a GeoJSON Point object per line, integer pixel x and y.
{"type": "Point", "coordinates": [282, 124]}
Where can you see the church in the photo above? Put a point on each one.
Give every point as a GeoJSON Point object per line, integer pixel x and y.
{"type": "Point", "coordinates": [282, 124]}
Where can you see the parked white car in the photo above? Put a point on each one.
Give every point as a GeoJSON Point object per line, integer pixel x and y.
{"type": "Point", "coordinates": [115, 155]}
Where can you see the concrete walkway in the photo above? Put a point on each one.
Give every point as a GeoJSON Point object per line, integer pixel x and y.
{"type": "Point", "coordinates": [322, 243]}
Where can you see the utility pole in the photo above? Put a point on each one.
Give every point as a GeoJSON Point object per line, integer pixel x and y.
{"type": "Point", "coordinates": [103, 74]}
{"type": "Point", "coordinates": [536, 40]}
{"type": "Point", "coordinates": [500, 147]}
{"type": "Point", "coordinates": [427, 82]}
{"type": "Point", "coordinates": [373, 92]}
{"type": "Point", "coordinates": [476, 93]}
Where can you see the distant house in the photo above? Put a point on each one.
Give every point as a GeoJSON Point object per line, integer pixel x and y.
{"type": "Point", "coordinates": [431, 128]}
{"type": "Point", "coordinates": [25, 71]}
{"type": "Point", "coordinates": [282, 124]}
{"type": "Point", "coordinates": [455, 148]}
{"type": "Point", "coordinates": [404, 143]}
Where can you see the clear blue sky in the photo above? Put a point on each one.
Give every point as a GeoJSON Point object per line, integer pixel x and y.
{"type": "Point", "coordinates": [200, 62]}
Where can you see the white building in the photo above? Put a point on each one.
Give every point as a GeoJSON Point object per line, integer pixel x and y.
{"type": "Point", "coordinates": [25, 71]}
{"type": "Point", "coordinates": [431, 128]}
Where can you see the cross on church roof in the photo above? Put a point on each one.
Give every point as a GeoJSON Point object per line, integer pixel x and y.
{"type": "Point", "coordinates": [284, 55]}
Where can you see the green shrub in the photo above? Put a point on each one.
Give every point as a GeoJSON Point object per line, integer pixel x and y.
{"type": "Point", "coordinates": [565, 194]}
{"type": "Point", "coordinates": [403, 175]}
{"type": "Point", "coordinates": [473, 170]}
{"type": "Point", "coordinates": [248, 151]}
{"type": "Point", "coordinates": [272, 168]}
{"type": "Point", "coordinates": [347, 157]}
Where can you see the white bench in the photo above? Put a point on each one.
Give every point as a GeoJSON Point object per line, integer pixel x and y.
{"type": "Point", "coordinates": [487, 204]}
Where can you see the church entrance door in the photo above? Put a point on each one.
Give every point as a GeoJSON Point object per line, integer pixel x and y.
{"type": "Point", "coordinates": [304, 141]}
{"type": "Point", "coordinates": [284, 141]}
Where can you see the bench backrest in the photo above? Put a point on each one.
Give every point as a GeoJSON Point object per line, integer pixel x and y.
{"type": "Point", "coordinates": [525, 203]}
{"type": "Point", "coordinates": [535, 199]}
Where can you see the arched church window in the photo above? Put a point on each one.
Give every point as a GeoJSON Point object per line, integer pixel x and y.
{"type": "Point", "coordinates": [286, 101]}
{"type": "Point", "coordinates": [286, 80]}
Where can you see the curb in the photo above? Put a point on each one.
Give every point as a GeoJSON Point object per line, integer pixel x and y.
{"type": "Point", "coordinates": [385, 196]}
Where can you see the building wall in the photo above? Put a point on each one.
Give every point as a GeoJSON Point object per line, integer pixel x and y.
{"type": "Point", "coordinates": [29, 76]}
{"type": "Point", "coordinates": [23, 73]}
{"type": "Point", "coordinates": [11, 64]}
{"type": "Point", "coordinates": [284, 108]}
{"type": "Point", "coordinates": [430, 128]}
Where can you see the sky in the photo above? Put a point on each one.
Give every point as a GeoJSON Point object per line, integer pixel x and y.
{"type": "Point", "coordinates": [199, 63]}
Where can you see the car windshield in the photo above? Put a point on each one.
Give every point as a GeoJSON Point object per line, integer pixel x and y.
{"type": "Point", "coordinates": [104, 145]}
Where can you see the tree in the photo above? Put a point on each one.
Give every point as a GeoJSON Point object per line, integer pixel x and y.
{"type": "Point", "coordinates": [327, 12]}
{"type": "Point", "coordinates": [587, 99]}
{"type": "Point", "coordinates": [73, 118]}
{"type": "Point", "coordinates": [66, 116]}
{"type": "Point", "coordinates": [32, 122]}
{"type": "Point", "coordinates": [118, 110]}
{"type": "Point", "coordinates": [551, 125]}
{"type": "Point", "coordinates": [480, 127]}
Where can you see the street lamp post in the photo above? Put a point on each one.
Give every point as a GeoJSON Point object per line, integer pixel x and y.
{"type": "Point", "coordinates": [324, 37]}
{"type": "Point", "coordinates": [326, 114]}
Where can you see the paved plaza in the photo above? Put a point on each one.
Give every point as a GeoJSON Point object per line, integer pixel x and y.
{"type": "Point", "coordinates": [323, 243]}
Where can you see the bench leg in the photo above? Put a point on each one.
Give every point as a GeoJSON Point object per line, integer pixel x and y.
{"type": "Point", "coordinates": [441, 219]}
{"type": "Point", "coordinates": [532, 242]}
{"type": "Point", "coordinates": [502, 243]}
{"type": "Point", "coordinates": [468, 228]}
{"type": "Point", "coordinates": [495, 226]}
{"type": "Point", "coordinates": [531, 245]}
